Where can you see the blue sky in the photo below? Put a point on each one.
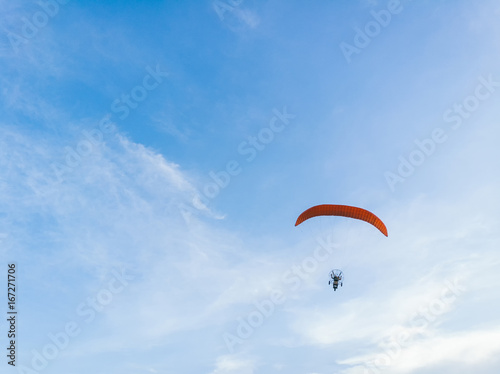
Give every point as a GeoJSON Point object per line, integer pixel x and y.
{"type": "Point", "coordinates": [155, 156]}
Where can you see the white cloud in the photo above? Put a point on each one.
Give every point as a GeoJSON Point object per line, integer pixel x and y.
{"type": "Point", "coordinates": [232, 364]}
{"type": "Point", "coordinates": [248, 17]}
{"type": "Point", "coordinates": [468, 347]}
{"type": "Point", "coordinates": [380, 314]}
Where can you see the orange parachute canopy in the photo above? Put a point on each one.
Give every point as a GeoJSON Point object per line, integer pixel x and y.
{"type": "Point", "coordinates": [343, 211]}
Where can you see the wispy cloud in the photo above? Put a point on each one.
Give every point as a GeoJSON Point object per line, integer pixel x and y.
{"type": "Point", "coordinates": [468, 348]}
{"type": "Point", "coordinates": [234, 364]}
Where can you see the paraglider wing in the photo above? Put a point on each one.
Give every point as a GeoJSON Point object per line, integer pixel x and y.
{"type": "Point", "coordinates": [343, 211]}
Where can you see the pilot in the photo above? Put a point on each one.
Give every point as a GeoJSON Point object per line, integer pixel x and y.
{"type": "Point", "coordinates": [335, 279]}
